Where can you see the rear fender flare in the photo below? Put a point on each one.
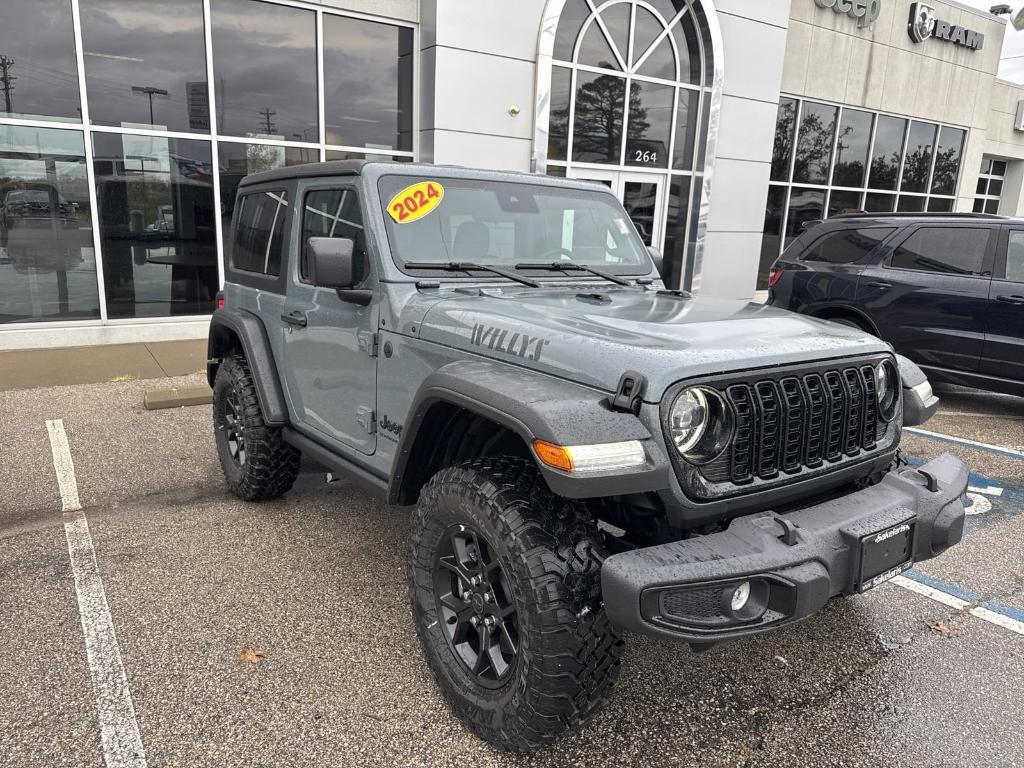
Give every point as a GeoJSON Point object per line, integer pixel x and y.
{"type": "Point", "coordinates": [231, 328]}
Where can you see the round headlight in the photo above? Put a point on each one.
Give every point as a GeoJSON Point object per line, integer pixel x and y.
{"type": "Point", "coordinates": [887, 383]}
{"type": "Point", "coordinates": [700, 424]}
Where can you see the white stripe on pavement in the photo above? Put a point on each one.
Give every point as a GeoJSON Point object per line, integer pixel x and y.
{"type": "Point", "coordinates": [964, 441]}
{"type": "Point", "coordinates": [957, 604]}
{"type": "Point", "coordinates": [989, 490]}
{"type": "Point", "coordinates": [119, 730]}
{"type": "Point", "coordinates": [63, 466]}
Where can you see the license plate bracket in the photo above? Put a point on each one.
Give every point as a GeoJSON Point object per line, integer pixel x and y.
{"type": "Point", "coordinates": [885, 554]}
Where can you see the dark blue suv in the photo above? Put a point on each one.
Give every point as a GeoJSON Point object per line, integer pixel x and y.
{"type": "Point", "coordinates": [945, 290]}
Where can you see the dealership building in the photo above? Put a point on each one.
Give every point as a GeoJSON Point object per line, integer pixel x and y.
{"type": "Point", "coordinates": [722, 125]}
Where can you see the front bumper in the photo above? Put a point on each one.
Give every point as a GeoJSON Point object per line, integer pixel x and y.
{"type": "Point", "coordinates": [794, 563]}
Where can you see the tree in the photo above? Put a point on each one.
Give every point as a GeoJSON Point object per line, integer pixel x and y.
{"type": "Point", "coordinates": [597, 129]}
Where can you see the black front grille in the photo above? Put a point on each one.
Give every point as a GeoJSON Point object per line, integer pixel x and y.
{"type": "Point", "coordinates": [787, 424]}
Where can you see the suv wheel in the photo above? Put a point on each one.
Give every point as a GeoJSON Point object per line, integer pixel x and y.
{"type": "Point", "coordinates": [849, 322]}
{"type": "Point", "coordinates": [257, 462]}
{"type": "Point", "coordinates": [504, 580]}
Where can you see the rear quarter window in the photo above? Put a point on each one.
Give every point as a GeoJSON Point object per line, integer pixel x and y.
{"type": "Point", "coordinates": [847, 246]}
{"type": "Point", "coordinates": [259, 232]}
{"type": "Point", "coordinates": [945, 250]}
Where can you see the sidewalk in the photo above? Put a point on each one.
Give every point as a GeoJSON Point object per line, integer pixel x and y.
{"type": "Point", "coordinates": [29, 368]}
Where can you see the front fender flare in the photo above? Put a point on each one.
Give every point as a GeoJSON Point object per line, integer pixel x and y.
{"type": "Point", "coordinates": [536, 406]}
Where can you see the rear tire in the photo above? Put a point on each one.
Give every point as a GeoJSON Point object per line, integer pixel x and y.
{"type": "Point", "coordinates": [538, 559]}
{"type": "Point", "coordinates": [258, 464]}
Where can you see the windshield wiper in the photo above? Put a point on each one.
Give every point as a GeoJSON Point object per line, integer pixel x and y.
{"type": "Point", "coordinates": [567, 265]}
{"type": "Point", "coordinates": [466, 266]}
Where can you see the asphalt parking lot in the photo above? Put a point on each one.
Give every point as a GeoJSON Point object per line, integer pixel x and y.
{"type": "Point", "coordinates": [927, 672]}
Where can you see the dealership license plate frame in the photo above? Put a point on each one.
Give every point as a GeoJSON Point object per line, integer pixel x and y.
{"type": "Point", "coordinates": [885, 554]}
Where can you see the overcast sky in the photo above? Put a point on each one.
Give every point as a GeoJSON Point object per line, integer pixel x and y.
{"type": "Point", "coordinates": [1010, 68]}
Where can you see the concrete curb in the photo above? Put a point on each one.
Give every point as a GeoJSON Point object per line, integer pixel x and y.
{"type": "Point", "coordinates": [176, 397]}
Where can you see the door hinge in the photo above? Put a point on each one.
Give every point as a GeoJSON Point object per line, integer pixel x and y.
{"type": "Point", "coordinates": [367, 418]}
{"type": "Point", "coordinates": [368, 342]}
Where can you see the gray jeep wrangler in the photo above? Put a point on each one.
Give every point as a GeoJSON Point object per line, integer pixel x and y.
{"type": "Point", "coordinates": [588, 453]}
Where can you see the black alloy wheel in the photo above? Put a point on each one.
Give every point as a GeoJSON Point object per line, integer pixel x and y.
{"type": "Point", "coordinates": [475, 606]}
{"type": "Point", "coordinates": [505, 585]}
{"type": "Point", "coordinates": [257, 463]}
{"type": "Point", "coordinates": [231, 423]}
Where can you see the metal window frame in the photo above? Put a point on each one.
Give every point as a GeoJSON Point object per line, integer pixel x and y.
{"type": "Point", "coordinates": [866, 189]}
{"type": "Point", "coordinates": [711, 94]}
{"type": "Point", "coordinates": [86, 128]}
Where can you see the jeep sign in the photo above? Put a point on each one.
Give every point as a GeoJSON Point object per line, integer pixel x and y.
{"type": "Point", "coordinates": [865, 11]}
{"type": "Point", "coordinates": [923, 24]}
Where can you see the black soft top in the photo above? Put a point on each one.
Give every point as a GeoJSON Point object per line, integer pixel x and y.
{"type": "Point", "coordinates": [329, 168]}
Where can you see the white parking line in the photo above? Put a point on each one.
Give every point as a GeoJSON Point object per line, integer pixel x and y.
{"type": "Point", "coordinates": [63, 466]}
{"type": "Point", "coordinates": [957, 604]}
{"type": "Point", "coordinates": [1011, 452]}
{"type": "Point", "coordinates": [119, 730]}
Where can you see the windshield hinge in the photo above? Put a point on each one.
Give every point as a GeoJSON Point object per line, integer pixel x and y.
{"type": "Point", "coordinates": [368, 342]}
{"type": "Point", "coordinates": [629, 393]}
{"type": "Point", "coordinates": [367, 418]}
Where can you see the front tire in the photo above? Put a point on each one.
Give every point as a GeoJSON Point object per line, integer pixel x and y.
{"type": "Point", "coordinates": [504, 581]}
{"type": "Point", "coordinates": [258, 464]}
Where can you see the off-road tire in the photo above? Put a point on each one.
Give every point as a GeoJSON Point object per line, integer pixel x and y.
{"type": "Point", "coordinates": [551, 552]}
{"type": "Point", "coordinates": [271, 465]}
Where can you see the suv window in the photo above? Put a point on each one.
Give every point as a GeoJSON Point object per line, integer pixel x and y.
{"type": "Point", "coordinates": [259, 234]}
{"type": "Point", "coordinates": [847, 246]}
{"type": "Point", "coordinates": [334, 213]}
{"type": "Point", "coordinates": [1015, 257]}
{"type": "Point", "coordinates": [948, 250]}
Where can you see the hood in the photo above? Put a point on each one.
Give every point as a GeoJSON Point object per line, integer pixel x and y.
{"type": "Point", "coordinates": [593, 334]}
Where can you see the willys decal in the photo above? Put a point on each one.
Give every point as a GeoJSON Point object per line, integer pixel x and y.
{"type": "Point", "coordinates": [518, 344]}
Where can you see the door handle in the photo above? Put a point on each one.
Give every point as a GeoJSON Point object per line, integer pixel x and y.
{"type": "Point", "coordinates": [878, 284]}
{"type": "Point", "coordinates": [1011, 299]}
{"type": "Point", "coordinates": [297, 318]}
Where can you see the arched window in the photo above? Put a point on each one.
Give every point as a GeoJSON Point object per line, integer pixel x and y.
{"type": "Point", "coordinates": [627, 94]}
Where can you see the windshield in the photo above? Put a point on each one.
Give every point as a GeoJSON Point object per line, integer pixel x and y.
{"type": "Point", "coordinates": [441, 220]}
{"type": "Point", "coordinates": [29, 196]}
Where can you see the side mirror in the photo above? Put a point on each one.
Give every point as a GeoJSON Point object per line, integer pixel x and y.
{"type": "Point", "coordinates": [330, 262]}
{"type": "Point", "coordinates": [658, 259]}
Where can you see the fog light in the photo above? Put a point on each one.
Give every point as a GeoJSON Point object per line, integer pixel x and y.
{"type": "Point", "coordinates": [740, 595]}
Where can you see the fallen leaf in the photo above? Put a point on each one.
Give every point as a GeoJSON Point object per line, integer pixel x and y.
{"type": "Point", "coordinates": [942, 628]}
{"type": "Point", "coordinates": [251, 655]}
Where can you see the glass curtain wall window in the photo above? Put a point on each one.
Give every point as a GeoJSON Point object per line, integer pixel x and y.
{"type": "Point", "coordinates": [172, 113]}
{"type": "Point", "coordinates": [631, 87]}
{"type": "Point", "coordinates": [830, 159]}
{"type": "Point", "coordinates": [990, 185]}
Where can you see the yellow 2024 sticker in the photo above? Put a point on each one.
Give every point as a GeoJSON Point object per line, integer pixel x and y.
{"type": "Point", "coordinates": [415, 201]}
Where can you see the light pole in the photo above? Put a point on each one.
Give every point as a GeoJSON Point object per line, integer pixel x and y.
{"type": "Point", "coordinates": [150, 91]}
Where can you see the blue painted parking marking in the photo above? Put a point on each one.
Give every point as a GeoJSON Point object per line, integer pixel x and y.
{"type": "Point", "coordinates": [988, 501]}
{"type": "Point", "coordinates": [968, 596]}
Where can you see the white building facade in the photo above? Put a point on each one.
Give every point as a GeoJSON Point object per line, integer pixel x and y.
{"type": "Point", "coordinates": [722, 125]}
